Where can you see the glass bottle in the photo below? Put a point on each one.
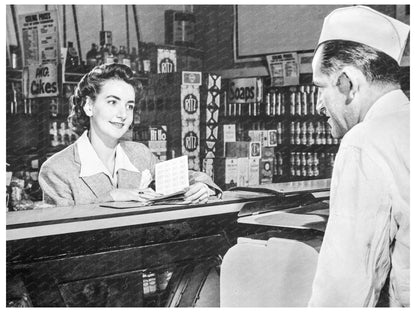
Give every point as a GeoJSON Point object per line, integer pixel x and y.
{"type": "Point", "coordinates": [72, 60]}
{"type": "Point", "coordinates": [92, 56]}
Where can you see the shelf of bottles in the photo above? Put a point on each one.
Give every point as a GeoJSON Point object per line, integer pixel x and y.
{"type": "Point", "coordinates": [305, 148]}
{"type": "Point", "coordinates": [136, 58]}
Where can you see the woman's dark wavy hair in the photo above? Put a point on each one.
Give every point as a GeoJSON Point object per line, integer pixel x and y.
{"type": "Point", "coordinates": [90, 85]}
{"type": "Point", "coordinates": [377, 66]}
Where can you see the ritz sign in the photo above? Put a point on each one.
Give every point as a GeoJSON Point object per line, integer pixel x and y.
{"type": "Point", "coordinates": [190, 104]}
{"type": "Point", "coordinates": [43, 80]}
{"type": "Point", "coordinates": [166, 66]}
{"type": "Point", "coordinates": [190, 141]}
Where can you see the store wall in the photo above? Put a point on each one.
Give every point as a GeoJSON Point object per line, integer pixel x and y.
{"type": "Point", "coordinates": [151, 22]}
{"type": "Point", "coordinates": [215, 36]}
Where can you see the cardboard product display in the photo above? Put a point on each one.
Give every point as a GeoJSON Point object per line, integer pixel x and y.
{"type": "Point", "coordinates": [227, 133]}
{"type": "Point", "coordinates": [253, 171]}
{"type": "Point", "coordinates": [226, 172]}
{"type": "Point", "coordinates": [158, 148]}
{"type": "Point", "coordinates": [266, 137]}
{"type": "Point", "coordinates": [166, 61]}
{"type": "Point", "coordinates": [208, 167]}
{"type": "Point", "coordinates": [272, 138]}
{"type": "Point", "coordinates": [190, 134]}
{"type": "Point", "coordinates": [242, 171]}
{"type": "Point", "coordinates": [267, 165]}
{"type": "Point", "coordinates": [213, 103]}
{"type": "Point", "coordinates": [212, 110]}
{"type": "Point", "coordinates": [255, 150]}
{"type": "Point", "coordinates": [150, 133]}
{"type": "Point", "coordinates": [237, 149]}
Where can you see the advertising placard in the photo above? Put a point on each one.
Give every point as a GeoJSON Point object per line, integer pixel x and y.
{"type": "Point", "coordinates": [242, 90]}
{"type": "Point", "coordinates": [43, 80]}
{"type": "Point", "coordinates": [40, 42]}
{"type": "Point", "coordinates": [190, 108]}
{"type": "Point", "coordinates": [166, 61]}
{"type": "Point", "coordinates": [284, 69]}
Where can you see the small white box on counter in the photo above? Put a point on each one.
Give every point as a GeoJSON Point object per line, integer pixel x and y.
{"type": "Point", "coordinates": [242, 171]}
{"type": "Point", "coordinates": [253, 171]}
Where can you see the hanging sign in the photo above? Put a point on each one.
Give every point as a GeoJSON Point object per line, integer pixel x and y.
{"type": "Point", "coordinates": [43, 80]}
{"type": "Point", "coordinates": [166, 61]}
{"type": "Point", "coordinates": [190, 133]}
{"type": "Point", "coordinates": [190, 141]}
{"type": "Point", "coordinates": [242, 90]}
{"type": "Point", "coordinates": [284, 69]}
{"type": "Point", "coordinates": [40, 42]}
{"type": "Point", "coordinates": [190, 104]}
{"type": "Point", "coordinates": [191, 78]}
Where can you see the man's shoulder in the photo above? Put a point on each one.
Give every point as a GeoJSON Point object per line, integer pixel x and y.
{"type": "Point", "coordinates": [383, 129]}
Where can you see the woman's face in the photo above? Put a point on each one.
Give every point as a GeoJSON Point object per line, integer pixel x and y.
{"type": "Point", "coordinates": [112, 110]}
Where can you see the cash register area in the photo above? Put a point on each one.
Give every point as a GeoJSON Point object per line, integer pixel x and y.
{"type": "Point", "coordinates": [220, 86]}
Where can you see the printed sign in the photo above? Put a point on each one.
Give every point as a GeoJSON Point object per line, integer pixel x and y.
{"type": "Point", "coordinates": [191, 78]}
{"type": "Point", "coordinates": [158, 133]}
{"type": "Point", "coordinates": [190, 99]}
{"type": "Point", "coordinates": [284, 69]}
{"type": "Point", "coordinates": [166, 61]}
{"type": "Point", "coordinates": [39, 38]}
{"type": "Point", "coordinates": [43, 81]}
{"type": "Point", "coordinates": [242, 90]}
{"type": "Point", "coordinates": [190, 104]}
{"type": "Point", "coordinates": [190, 141]}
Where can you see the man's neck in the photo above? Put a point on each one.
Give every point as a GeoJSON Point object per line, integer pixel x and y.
{"type": "Point", "coordinates": [373, 94]}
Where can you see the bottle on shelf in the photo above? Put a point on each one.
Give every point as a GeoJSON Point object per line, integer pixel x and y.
{"type": "Point", "coordinates": [304, 101]}
{"type": "Point", "coordinates": [298, 103]}
{"type": "Point", "coordinates": [114, 53]}
{"type": "Point", "coordinates": [92, 56]}
{"type": "Point", "coordinates": [136, 62]}
{"type": "Point", "coordinates": [292, 108]}
{"type": "Point", "coordinates": [15, 57]}
{"type": "Point", "coordinates": [123, 56]}
{"type": "Point", "coordinates": [279, 108]}
{"type": "Point", "coordinates": [292, 132]}
{"type": "Point", "coordinates": [105, 52]}
{"type": "Point", "coordinates": [144, 52]}
{"type": "Point", "coordinates": [72, 59]}
{"type": "Point", "coordinates": [53, 134]}
{"type": "Point", "coordinates": [268, 103]}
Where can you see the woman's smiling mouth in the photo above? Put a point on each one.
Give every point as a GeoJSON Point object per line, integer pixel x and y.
{"type": "Point", "coordinates": [118, 125]}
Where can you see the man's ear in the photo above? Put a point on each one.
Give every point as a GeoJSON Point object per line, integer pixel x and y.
{"type": "Point", "coordinates": [348, 82]}
{"type": "Point", "coordinates": [88, 107]}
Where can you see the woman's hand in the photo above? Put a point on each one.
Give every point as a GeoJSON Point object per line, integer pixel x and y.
{"type": "Point", "coordinates": [198, 193]}
{"type": "Point", "coordinates": [141, 195]}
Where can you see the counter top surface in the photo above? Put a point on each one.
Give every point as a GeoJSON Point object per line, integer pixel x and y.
{"type": "Point", "coordinates": [61, 220]}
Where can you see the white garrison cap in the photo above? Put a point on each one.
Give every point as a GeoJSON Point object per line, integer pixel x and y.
{"type": "Point", "coordinates": [365, 25]}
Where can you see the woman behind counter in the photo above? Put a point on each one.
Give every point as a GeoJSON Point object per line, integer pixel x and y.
{"type": "Point", "coordinates": [98, 167]}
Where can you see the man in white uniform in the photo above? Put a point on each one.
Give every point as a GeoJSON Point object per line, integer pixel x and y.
{"type": "Point", "coordinates": [366, 243]}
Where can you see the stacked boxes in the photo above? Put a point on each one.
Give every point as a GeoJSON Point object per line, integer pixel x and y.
{"type": "Point", "coordinates": [225, 172]}
{"type": "Point", "coordinates": [266, 165]}
{"type": "Point", "coordinates": [240, 166]}
{"type": "Point", "coordinates": [154, 137]}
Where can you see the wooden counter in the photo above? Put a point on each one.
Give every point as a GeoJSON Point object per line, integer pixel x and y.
{"type": "Point", "coordinates": [62, 220]}
{"type": "Point", "coordinates": [96, 256]}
